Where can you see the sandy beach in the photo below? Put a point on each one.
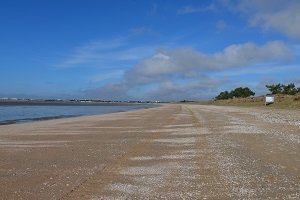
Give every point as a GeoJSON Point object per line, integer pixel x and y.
{"type": "Point", "coordinates": [169, 152]}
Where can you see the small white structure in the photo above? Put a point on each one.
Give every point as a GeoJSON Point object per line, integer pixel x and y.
{"type": "Point", "coordinates": [269, 100]}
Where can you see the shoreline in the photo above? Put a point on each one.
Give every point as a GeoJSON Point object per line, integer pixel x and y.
{"type": "Point", "coordinates": [52, 117]}
{"type": "Point", "coordinates": [64, 103]}
{"type": "Point", "coordinates": [29, 120]}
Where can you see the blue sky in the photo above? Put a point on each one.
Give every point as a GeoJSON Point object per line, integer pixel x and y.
{"type": "Point", "coordinates": [146, 50]}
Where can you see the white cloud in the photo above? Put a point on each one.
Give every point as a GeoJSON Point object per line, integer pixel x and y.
{"type": "Point", "coordinates": [285, 21]}
{"type": "Point", "coordinates": [280, 15]}
{"type": "Point", "coordinates": [258, 70]}
{"type": "Point", "coordinates": [203, 88]}
{"type": "Point", "coordinates": [178, 74]}
{"type": "Point", "coordinates": [182, 62]}
{"type": "Point", "coordinates": [249, 53]}
{"type": "Point", "coordinates": [91, 52]}
{"type": "Point", "coordinates": [105, 54]}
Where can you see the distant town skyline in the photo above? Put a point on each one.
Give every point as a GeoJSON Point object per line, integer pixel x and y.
{"type": "Point", "coordinates": [146, 50]}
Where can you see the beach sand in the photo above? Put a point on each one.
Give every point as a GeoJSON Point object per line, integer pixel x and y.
{"type": "Point", "coordinates": [168, 152]}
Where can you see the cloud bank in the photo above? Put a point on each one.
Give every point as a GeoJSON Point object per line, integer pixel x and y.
{"type": "Point", "coordinates": [181, 73]}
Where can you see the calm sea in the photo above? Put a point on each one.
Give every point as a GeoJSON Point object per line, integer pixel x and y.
{"type": "Point", "coordinates": [21, 114]}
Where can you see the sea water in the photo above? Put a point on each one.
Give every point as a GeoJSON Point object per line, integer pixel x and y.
{"type": "Point", "coordinates": [21, 114]}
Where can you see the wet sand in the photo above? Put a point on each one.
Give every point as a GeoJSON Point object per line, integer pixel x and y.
{"type": "Point", "coordinates": [169, 152]}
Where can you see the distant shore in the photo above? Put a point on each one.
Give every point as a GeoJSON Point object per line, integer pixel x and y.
{"type": "Point", "coordinates": [64, 103]}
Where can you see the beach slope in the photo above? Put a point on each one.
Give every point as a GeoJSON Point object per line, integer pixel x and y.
{"type": "Point", "coordinates": [168, 152]}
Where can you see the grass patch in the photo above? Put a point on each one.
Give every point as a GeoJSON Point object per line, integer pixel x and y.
{"type": "Point", "coordinates": [281, 101]}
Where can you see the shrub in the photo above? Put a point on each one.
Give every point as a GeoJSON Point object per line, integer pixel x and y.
{"type": "Point", "coordinates": [237, 92]}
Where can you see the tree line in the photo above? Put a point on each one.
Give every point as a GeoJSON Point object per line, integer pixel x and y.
{"type": "Point", "coordinates": [236, 93]}
{"type": "Point", "coordinates": [239, 92]}
{"type": "Point", "coordinates": [289, 89]}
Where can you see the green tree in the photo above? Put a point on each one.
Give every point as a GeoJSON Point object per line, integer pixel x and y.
{"type": "Point", "coordinates": [275, 89]}
{"type": "Point", "coordinates": [289, 89]}
{"type": "Point", "coordinates": [237, 92]}
{"type": "Point", "coordinates": [283, 89]}
{"type": "Point", "coordinates": [223, 95]}
{"type": "Point", "coordinates": [242, 92]}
